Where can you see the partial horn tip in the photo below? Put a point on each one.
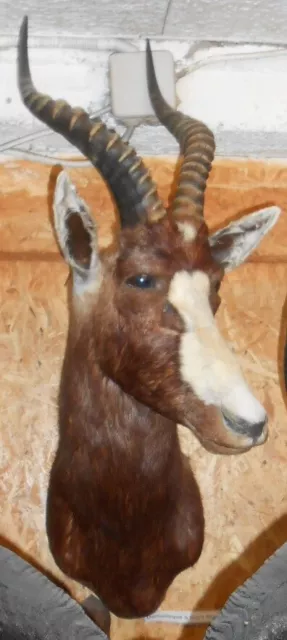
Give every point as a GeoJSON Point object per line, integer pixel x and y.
{"type": "Point", "coordinates": [23, 40]}
{"type": "Point", "coordinates": [149, 53]}
{"type": "Point", "coordinates": [24, 29]}
{"type": "Point", "coordinates": [25, 84]}
{"type": "Point", "coordinates": [150, 63]}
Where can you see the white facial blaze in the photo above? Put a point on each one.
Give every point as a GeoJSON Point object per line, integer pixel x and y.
{"type": "Point", "coordinates": [207, 364]}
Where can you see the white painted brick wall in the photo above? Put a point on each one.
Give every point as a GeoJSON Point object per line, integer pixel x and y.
{"type": "Point", "coordinates": [245, 104]}
{"type": "Point", "coordinates": [253, 21]}
{"type": "Point", "coordinates": [87, 17]}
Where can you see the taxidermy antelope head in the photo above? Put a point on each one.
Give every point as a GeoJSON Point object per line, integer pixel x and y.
{"type": "Point", "coordinates": [143, 353]}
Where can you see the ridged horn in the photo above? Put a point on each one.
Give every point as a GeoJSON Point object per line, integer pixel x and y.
{"type": "Point", "coordinates": [197, 146]}
{"type": "Point", "coordinates": [134, 191]}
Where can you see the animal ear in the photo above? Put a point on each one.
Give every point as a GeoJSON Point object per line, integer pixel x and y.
{"type": "Point", "coordinates": [232, 245]}
{"type": "Point", "coordinates": [76, 233]}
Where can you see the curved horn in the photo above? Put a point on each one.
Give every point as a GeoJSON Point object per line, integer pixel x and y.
{"type": "Point", "coordinates": [134, 191]}
{"type": "Point", "coordinates": [197, 147]}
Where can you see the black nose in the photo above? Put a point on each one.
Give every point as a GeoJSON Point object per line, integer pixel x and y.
{"type": "Point", "coordinates": [243, 427]}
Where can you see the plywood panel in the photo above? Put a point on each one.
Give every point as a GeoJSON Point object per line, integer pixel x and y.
{"type": "Point", "coordinates": [244, 497]}
{"type": "Point", "coordinates": [234, 187]}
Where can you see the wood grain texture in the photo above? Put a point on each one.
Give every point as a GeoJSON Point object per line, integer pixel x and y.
{"type": "Point", "coordinates": [244, 496]}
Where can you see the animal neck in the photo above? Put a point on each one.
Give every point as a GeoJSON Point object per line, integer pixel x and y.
{"type": "Point", "coordinates": [95, 412]}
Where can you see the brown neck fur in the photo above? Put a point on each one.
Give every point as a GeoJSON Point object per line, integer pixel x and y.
{"type": "Point", "coordinates": [124, 512]}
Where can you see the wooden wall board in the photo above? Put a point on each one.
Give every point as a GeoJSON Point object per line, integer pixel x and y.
{"type": "Point", "coordinates": [245, 498]}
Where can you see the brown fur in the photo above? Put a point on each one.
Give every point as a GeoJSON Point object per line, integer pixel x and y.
{"type": "Point", "coordinates": [124, 511]}
{"type": "Point", "coordinates": [124, 514]}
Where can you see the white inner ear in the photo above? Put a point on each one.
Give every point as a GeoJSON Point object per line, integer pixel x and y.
{"type": "Point", "coordinates": [246, 235]}
{"type": "Point", "coordinates": [67, 201]}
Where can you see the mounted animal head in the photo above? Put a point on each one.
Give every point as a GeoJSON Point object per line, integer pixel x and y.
{"type": "Point", "coordinates": [148, 307]}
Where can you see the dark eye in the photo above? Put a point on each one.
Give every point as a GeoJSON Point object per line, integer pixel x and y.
{"type": "Point", "coordinates": [142, 281]}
